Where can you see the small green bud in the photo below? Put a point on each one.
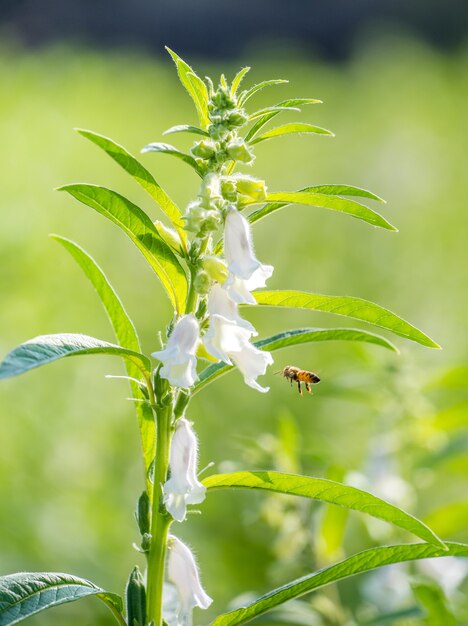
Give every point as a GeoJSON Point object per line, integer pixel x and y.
{"type": "Point", "coordinates": [229, 190]}
{"type": "Point", "coordinates": [218, 130]}
{"type": "Point", "coordinates": [170, 236]}
{"type": "Point", "coordinates": [181, 405]}
{"type": "Point", "coordinates": [237, 118]}
{"type": "Point", "coordinates": [146, 542]}
{"type": "Point", "coordinates": [161, 386]}
{"type": "Point", "coordinates": [251, 187]}
{"type": "Point", "coordinates": [200, 220]}
{"type": "Point", "coordinates": [204, 149]}
{"type": "Point", "coordinates": [216, 268]}
{"type": "Point", "coordinates": [142, 513]}
{"type": "Point", "coordinates": [202, 283]}
{"type": "Point", "coordinates": [201, 310]}
{"type": "Point", "coordinates": [135, 595]}
{"type": "Point", "coordinates": [238, 150]}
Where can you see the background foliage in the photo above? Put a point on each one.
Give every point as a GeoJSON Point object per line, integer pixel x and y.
{"type": "Point", "coordinates": [396, 425]}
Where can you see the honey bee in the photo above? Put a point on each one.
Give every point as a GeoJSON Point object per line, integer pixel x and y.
{"type": "Point", "coordinates": [295, 374]}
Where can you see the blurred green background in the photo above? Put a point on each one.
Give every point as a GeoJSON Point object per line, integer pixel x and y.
{"type": "Point", "coordinates": [69, 469]}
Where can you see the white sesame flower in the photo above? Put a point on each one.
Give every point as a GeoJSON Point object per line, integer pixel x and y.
{"type": "Point", "coordinates": [183, 486]}
{"type": "Point", "coordinates": [246, 273]}
{"type": "Point", "coordinates": [228, 338]}
{"type": "Point", "coordinates": [182, 570]}
{"type": "Point", "coordinates": [179, 355]}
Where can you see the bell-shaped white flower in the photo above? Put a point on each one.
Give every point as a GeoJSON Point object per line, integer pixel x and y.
{"type": "Point", "coordinates": [228, 338]}
{"type": "Point", "coordinates": [252, 362]}
{"type": "Point", "coordinates": [179, 360]}
{"type": "Point", "coordinates": [183, 486]}
{"type": "Point", "coordinates": [182, 570]}
{"type": "Point", "coordinates": [246, 273]}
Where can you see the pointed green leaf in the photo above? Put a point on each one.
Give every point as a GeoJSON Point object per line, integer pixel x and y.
{"type": "Point", "coordinates": [348, 306]}
{"type": "Point", "coordinates": [344, 190]}
{"type": "Point", "coordinates": [186, 128]}
{"type": "Point", "coordinates": [326, 491]}
{"type": "Point", "coordinates": [246, 95]}
{"type": "Point", "coordinates": [27, 593]}
{"type": "Point", "coordinates": [166, 148]}
{"type": "Point", "coordinates": [356, 564]}
{"type": "Point", "coordinates": [48, 348]}
{"type": "Point", "coordinates": [126, 336]}
{"type": "Point", "coordinates": [293, 338]}
{"type": "Point", "coordinates": [238, 79]}
{"type": "Point", "coordinates": [288, 129]}
{"type": "Point", "coordinates": [195, 87]}
{"type": "Point", "coordinates": [272, 109]}
{"type": "Point", "coordinates": [141, 230]}
{"type": "Point", "coordinates": [279, 199]}
{"type": "Point", "coordinates": [270, 112]}
{"type": "Point", "coordinates": [142, 176]}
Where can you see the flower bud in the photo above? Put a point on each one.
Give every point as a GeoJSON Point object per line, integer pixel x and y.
{"type": "Point", "coordinates": [135, 595]}
{"type": "Point", "coordinates": [251, 187]}
{"type": "Point", "coordinates": [238, 150]}
{"type": "Point", "coordinates": [170, 236]}
{"type": "Point", "coordinates": [204, 149]}
{"type": "Point", "coordinates": [229, 190]}
{"type": "Point", "coordinates": [142, 513]}
{"type": "Point", "coordinates": [202, 283]}
{"type": "Point", "coordinates": [200, 220]}
{"type": "Point", "coordinates": [237, 118]}
{"type": "Point", "coordinates": [215, 267]}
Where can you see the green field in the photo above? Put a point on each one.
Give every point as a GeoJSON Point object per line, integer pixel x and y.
{"type": "Point", "coordinates": [69, 469]}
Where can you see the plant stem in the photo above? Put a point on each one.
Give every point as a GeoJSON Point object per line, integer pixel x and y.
{"type": "Point", "coordinates": [160, 520]}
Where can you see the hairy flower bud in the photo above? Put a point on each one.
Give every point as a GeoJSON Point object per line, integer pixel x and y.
{"type": "Point", "coordinates": [215, 267]}
{"type": "Point", "coordinates": [204, 149]}
{"type": "Point", "coordinates": [238, 150]}
{"type": "Point", "coordinates": [251, 187]}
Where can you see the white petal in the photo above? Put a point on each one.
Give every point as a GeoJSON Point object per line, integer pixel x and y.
{"type": "Point", "coordinates": [185, 334]}
{"type": "Point", "coordinates": [182, 570]}
{"type": "Point", "coordinates": [219, 303]}
{"type": "Point", "coordinates": [238, 246]}
{"type": "Point", "coordinates": [252, 362]}
{"type": "Point", "coordinates": [225, 337]}
{"type": "Point", "coordinates": [238, 291]}
{"type": "Point", "coordinates": [259, 277]}
{"type": "Point", "coordinates": [176, 505]}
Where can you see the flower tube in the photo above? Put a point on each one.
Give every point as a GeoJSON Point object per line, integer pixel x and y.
{"type": "Point", "coordinates": [179, 360]}
{"type": "Point", "coordinates": [183, 486]}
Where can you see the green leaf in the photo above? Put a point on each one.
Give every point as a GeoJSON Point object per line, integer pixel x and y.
{"type": "Point", "coordinates": [288, 129]}
{"type": "Point", "coordinates": [348, 306]}
{"type": "Point", "coordinates": [166, 148]}
{"type": "Point", "coordinates": [27, 593]}
{"type": "Point", "coordinates": [356, 564]}
{"type": "Point", "coordinates": [141, 230]}
{"type": "Point", "coordinates": [48, 348]}
{"type": "Point", "coordinates": [142, 176]}
{"type": "Point", "coordinates": [126, 336]}
{"type": "Point", "coordinates": [238, 79]}
{"type": "Point", "coordinates": [186, 128]}
{"type": "Point", "coordinates": [343, 190]}
{"type": "Point", "coordinates": [246, 95]}
{"type": "Point", "coordinates": [295, 337]}
{"type": "Point", "coordinates": [195, 87]}
{"type": "Point", "coordinates": [432, 598]}
{"type": "Point", "coordinates": [326, 491]}
{"type": "Point", "coordinates": [280, 199]}
{"type": "Point", "coordinates": [271, 112]}
{"type": "Point", "coordinates": [272, 109]}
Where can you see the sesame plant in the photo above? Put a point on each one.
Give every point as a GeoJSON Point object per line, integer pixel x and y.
{"type": "Point", "coordinates": [204, 259]}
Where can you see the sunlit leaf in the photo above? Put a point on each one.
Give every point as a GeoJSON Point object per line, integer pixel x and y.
{"type": "Point", "coordinates": [166, 148]}
{"type": "Point", "coordinates": [356, 564]}
{"type": "Point", "coordinates": [326, 491]}
{"type": "Point", "coordinates": [280, 199]}
{"type": "Point", "coordinates": [296, 337]}
{"type": "Point", "coordinates": [246, 95]}
{"type": "Point", "coordinates": [141, 230]}
{"type": "Point", "coordinates": [194, 86]}
{"type": "Point", "coordinates": [271, 112]}
{"type": "Point", "coordinates": [126, 336]}
{"type": "Point", "coordinates": [27, 593]}
{"type": "Point", "coordinates": [142, 176]}
{"type": "Point", "coordinates": [238, 79]}
{"type": "Point", "coordinates": [48, 348]}
{"type": "Point", "coordinates": [288, 129]}
{"type": "Point", "coordinates": [348, 306]}
{"type": "Point", "coordinates": [186, 128]}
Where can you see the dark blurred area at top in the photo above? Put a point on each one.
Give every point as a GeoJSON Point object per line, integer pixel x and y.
{"type": "Point", "coordinates": [226, 29]}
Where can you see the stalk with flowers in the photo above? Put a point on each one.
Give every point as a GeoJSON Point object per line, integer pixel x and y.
{"type": "Point", "coordinates": [206, 262]}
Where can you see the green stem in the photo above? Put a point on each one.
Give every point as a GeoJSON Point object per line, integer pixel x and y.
{"type": "Point", "coordinates": [160, 520]}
